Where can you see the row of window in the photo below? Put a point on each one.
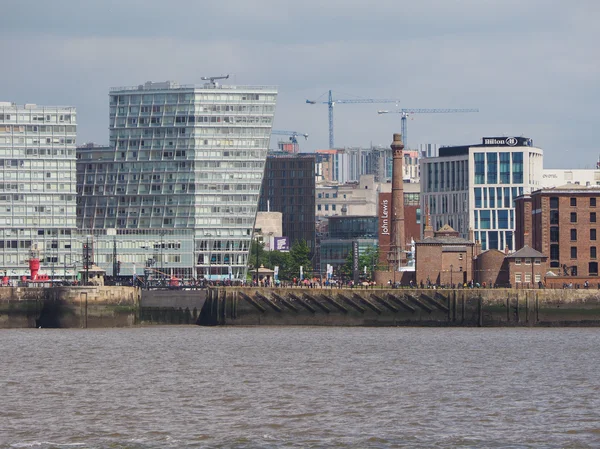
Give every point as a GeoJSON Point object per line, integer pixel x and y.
{"type": "Point", "coordinates": [554, 234]}
{"type": "Point", "coordinates": [487, 165]}
{"type": "Point", "coordinates": [572, 202]}
{"type": "Point", "coordinates": [186, 98]}
{"type": "Point", "coordinates": [519, 278]}
{"type": "Point", "coordinates": [37, 117]}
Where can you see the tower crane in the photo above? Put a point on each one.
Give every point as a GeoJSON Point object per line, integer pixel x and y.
{"type": "Point", "coordinates": [407, 112]}
{"type": "Point", "coordinates": [293, 135]}
{"type": "Point", "coordinates": [331, 102]}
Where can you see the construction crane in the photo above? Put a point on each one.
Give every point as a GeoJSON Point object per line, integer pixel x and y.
{"type": "Point", "coordinates": [212, 79]}
{"type": "Point", "coordinates": [331, 102]}
{"type": "Point", "coordinates": [293, 135]}
{"type": "Point", "coordinates": [406, 112]}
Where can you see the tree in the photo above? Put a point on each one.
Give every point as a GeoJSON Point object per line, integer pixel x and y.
{"type": "Point", "coordinates": [283, 261]}
{"type": "Point", "coordinates": [299, 253]}
{"type": "Point", "coordinates": [369, 258]}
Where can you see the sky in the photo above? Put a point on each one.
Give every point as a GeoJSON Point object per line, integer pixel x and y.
{"type": "Point", "coordinates": [531, 67]}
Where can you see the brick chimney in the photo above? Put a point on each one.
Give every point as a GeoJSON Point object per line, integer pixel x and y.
{"type": "Point", "coordinates": [398, 239]}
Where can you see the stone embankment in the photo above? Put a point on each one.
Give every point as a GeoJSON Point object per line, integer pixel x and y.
{"type": "Point", "coordinates": [401, 307]}
{"type": "Point", "coordinates": [83, 307]}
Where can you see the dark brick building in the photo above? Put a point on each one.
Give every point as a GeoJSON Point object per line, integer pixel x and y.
{"type": "Point", "coordinates": [561, 223]}
{"type": "Point", "coordinates": [289, 187]}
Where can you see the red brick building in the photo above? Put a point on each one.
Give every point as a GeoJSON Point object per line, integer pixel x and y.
{"type": "Point", "coordinates": [526, 268]}
{"type": "Point", "coordinates": [491, 268]}
{"type": "Point", "coordinates": [562, 223]}
{"type": "Point", "coordinates": [443, 258]}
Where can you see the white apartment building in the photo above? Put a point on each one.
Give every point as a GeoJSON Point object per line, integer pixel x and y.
{"type": "Point", "coordinates": [180, 179]}
{"type": "Point", "coordinates": [37, 187]}
{"type": "Point", "coordinates": [472, 188]}
{"type": "Point", "coordinates": [561, 177]}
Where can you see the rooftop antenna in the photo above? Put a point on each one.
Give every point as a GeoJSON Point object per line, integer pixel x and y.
{"type": "Point", "coordinates": [213, 78]}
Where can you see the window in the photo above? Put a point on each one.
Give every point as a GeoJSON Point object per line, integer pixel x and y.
{"type": "Point", "coordinates": [573, 201]}
{"type": "Point", "coordinates": [592, 252]}
{"type": "Point", "coordinates": [479, 168]}
{"type": "Point", "coordinates": [517, 277]}
{"type": "Point", "coordinates": [554, 256]}
{"type": "Point", "coordinates": [554, 202]}
{"type": "Point", "coordinates": [553, 233]}
{"type": "Point", "coordinates": [537, 261]}
{"type": "Point", "coordinates": [592, 234]}
{"type": "Point", "coordinates": [573, 252]}
{"type": "Point", "coordinates": [592, 217]}
{"type": "Point", "coordinates": [592, 202]}
{"type": "Point", "coordinates": [528, 261]}
{"type": "Point", "coordinates": [553, 217]}
{"type": "Point", "coordinates": [573, 235]}
{"type": "Point", "coordinates": [538, 278]}
{"type": "Point", "coordinates": [527, 277]}
{"type": "Point", "coordinates": [573, 217]}
{"type": "Point", "coordinates": [517, 261]}
{"type": "Point", "coordinates": [504, 168]}
{"type": "Point", "coordinates": [492, 168]}
{"type": "Point", "coordinates": [593, 268]}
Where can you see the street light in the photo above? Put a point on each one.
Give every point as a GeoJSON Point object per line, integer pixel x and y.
{"type": "Point", "coordinates": [451, 284]}
{"type": "Point", "coordinates": [209, 247]}
{"type": "Point", "coordinates": [87, 259]}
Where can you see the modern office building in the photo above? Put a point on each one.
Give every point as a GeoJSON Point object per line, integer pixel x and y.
{"type": "Point", "coordinates": [37, 187]}
{"type": "Point", "coordinates": [178, 186]}
{"type": "Point", "coordinates": [289, 187]}
{"type": "Point", "coordinates": [473, 187]}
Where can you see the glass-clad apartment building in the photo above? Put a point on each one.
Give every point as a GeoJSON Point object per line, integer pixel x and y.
{"type": "Point", "coordinates": [179, 183]}
{"type": "Point", "coordinates": [472, 188]}
{"type": "Point", "coordinates": [37, 187]}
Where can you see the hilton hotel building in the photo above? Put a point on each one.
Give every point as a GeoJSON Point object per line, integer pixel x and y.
{"type": "Point", "coordinates": [472, 188]}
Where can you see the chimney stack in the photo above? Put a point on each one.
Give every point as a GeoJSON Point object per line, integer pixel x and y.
{"type": "Point", "coordinates": [398, 238]}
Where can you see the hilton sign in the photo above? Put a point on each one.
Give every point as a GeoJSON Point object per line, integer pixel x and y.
{"type": "Point", "coordinates": [507, 141]}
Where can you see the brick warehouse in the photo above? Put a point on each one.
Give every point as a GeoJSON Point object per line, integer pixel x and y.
{"type": "Point", "coordinates": [561, 223]}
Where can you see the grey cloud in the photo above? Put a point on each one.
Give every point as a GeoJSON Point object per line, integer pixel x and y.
{"type": "Point", "coordinates": [529, 66]}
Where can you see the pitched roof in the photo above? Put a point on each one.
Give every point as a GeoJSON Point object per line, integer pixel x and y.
{"type": "Point", "coordinates": [526, 251]}
{"type": "Point", "coordinates": [446, 228]}
{"type": "Point", "coordinates": [446, 240]}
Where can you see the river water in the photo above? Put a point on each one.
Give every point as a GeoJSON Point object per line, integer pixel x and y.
{"type": "Point", "coordinates": [299, 387]}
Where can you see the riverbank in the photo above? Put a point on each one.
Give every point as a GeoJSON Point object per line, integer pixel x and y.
{"type": "Point", "coordinates": [88, 307]}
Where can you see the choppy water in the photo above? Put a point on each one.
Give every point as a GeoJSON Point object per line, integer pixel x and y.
{"type": "Point", "coordinates": [292, 387]}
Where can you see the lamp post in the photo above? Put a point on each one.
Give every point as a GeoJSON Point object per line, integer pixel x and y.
{"type": "Point", "coordinates": [451, 284]}
{"type": "Point", "coordinates": [87, 259]}
{"type": "Point", "coordinates": [257, 261]}
{"type": "Point", "coordinates": [162, 257]}
{"type": "Point", "coordinates": [209, 247]}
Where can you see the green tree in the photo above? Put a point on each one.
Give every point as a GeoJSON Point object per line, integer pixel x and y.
{"type": "Point", "coordinates": [299, 257]}
{"type": "Point", "coordinates": [263, 256]}
{"type": "Point", "coordinates": [283, 261]}
{"type": "Point", "coordinates": [368, 258]}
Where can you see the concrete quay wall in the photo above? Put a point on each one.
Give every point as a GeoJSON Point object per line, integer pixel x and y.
{"type": "Point", "coordinates": [95, 306]}
{"type": "Point", "coordinates": [401, 307]}
{"type": "Point", "coordinates": [68, 307]}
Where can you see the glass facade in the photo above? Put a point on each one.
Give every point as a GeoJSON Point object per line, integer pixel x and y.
{"type": "Point", "coordinates": [483, 199]}
{"type": "Point", "coordinates": [37, 187]}
{"type": "Point", "coordinates": [353, 227]}
{"type": "Point", "coordinates": [182, 158]}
